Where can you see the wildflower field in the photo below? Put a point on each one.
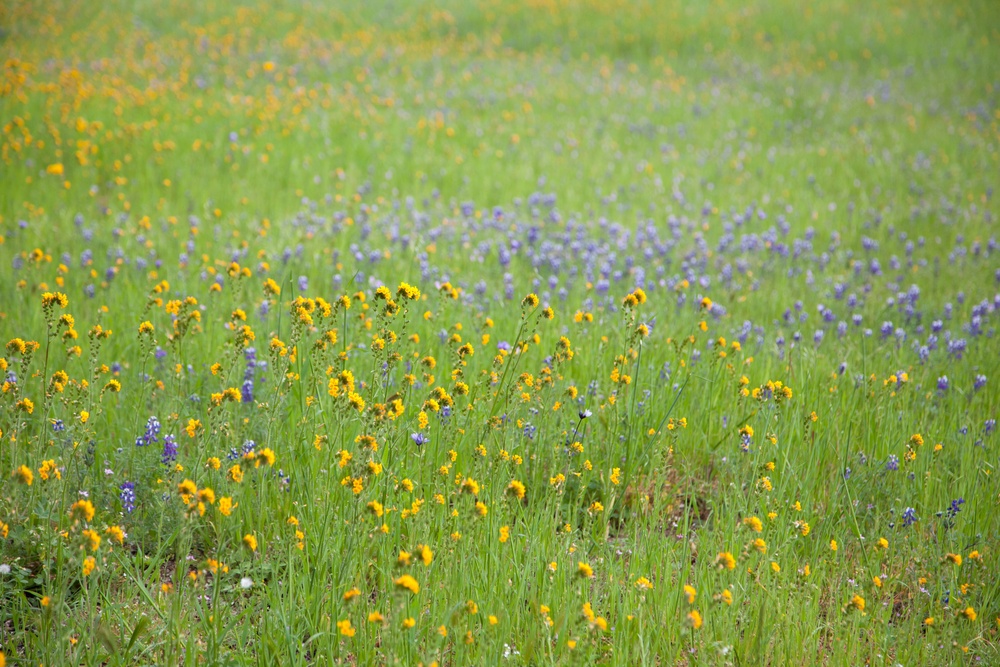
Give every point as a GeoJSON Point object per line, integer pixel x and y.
{"type": "Point", "coordinates": [499, 332]}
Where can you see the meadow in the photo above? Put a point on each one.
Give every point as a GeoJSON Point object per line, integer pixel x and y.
{"type": "Point", "coordinates": [504, 332]}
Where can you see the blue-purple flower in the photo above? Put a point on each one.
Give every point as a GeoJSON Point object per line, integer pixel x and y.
{"type": "Point", "coordinates": [127, 496]}
{"type": "Point", "coordinates": [151, 434]}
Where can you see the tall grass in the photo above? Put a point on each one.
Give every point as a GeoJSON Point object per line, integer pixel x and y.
{"type": "Point", "coordinates": [498, 333]}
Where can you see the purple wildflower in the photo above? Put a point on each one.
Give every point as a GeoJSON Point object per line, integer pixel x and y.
{"type": "Point", "coordinates": [151, 435]}
{"type": "Point", "coordinates": [956, 507]}
{"type": "Point", "coordinates": [127, 496]}
{"type": "Point", "coordinates": [169, 449]}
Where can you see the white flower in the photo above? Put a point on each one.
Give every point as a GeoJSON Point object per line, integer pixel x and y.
{"type": "Point", "coordinates": [5, 569]}
{"type": "Point", "coordinates": [246, 582]}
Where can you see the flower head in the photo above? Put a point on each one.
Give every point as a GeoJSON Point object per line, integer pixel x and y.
{"type": "Point", "coordinates": [24, 475]}
{"type": "Point", "coordinates": [82, 510]}
{"type": "Point", "coordinates": [725, 560]}
{"type": "Point", "coordinates": [407, 582]}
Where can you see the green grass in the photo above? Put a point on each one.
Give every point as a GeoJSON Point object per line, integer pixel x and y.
{"type": "Point", "coordinates": [773, 150]}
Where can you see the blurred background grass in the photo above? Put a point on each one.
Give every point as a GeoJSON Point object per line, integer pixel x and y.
{"type": "Point", "coordinates": [725, 101]}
